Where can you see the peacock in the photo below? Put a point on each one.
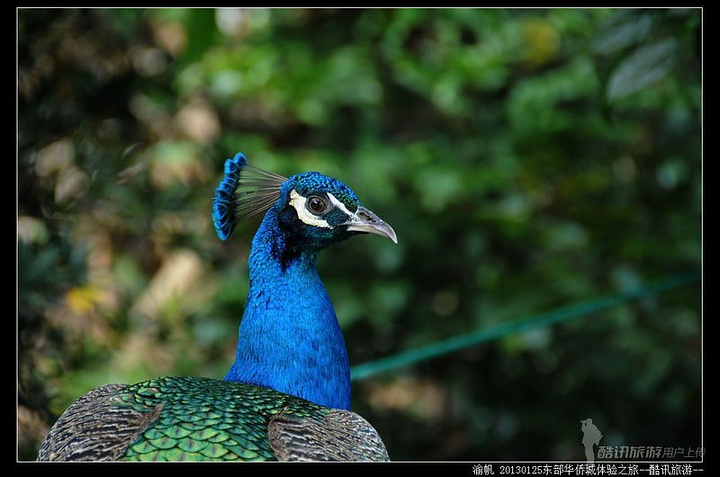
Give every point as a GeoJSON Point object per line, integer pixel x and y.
{"type": "Point", "coordinates": [287, 394]}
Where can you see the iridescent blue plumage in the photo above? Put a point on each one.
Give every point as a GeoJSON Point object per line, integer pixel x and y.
{"type": "Point", "coordinates": [222, 211]}
{"type": "Point", "coordinates": [244, 191]}
{"type": "Point", "coordinates": [287, 395]}
{"type": "Point", "coordinates": [289, 338]}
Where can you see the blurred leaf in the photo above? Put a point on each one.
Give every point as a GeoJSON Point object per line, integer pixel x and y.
{"type": "Point", "coordinates": [624, 31]}
{"type": "Point", "coordinates": [647, 66]}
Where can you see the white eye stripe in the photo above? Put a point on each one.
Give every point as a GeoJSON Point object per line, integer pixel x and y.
{"type": "Point", "coordinates": [298, 201]}
{"type": "Point", "coordinates": [307, 217]}
{"type": "Point", "coordinates": [339, 205]}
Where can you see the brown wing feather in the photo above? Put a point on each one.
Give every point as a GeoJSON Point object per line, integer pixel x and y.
{"type": "Point", "coordinates": [340, 435]}
{"type": "Point", "coordinates": [96, 427]}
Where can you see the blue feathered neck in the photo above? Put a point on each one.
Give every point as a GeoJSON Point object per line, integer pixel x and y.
{"type": "Point", "coordinates": [289, 337]}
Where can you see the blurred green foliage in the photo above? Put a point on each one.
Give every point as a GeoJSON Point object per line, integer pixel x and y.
{"type": "Point", "coordinates": [527, 159]}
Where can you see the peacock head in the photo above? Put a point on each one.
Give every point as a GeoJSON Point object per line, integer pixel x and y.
{"type": "Point", "coordinates": [313, 210]}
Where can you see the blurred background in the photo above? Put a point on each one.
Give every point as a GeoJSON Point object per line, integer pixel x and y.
{"type": "Point", "coordinates": [528, 160]}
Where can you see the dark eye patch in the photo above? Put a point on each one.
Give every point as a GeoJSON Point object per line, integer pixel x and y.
{"type": "Point", "coordinates": [318, 204]}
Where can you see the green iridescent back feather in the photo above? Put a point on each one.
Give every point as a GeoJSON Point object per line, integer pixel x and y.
{"type": "Point", "coordinates": [189, 419]}
{"type": "Point", "coordinates": [209, 419]}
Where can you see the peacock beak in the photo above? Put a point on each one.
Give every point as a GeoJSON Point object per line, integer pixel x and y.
{"type": "Point", "coordinates": [364, 220]}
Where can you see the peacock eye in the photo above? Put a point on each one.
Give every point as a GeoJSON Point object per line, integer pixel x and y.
{"type": "Point", "coordinates": [317, 204]}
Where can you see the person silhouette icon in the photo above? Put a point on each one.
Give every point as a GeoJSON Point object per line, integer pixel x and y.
{"type": "Point", "coordinates": [591, 437]}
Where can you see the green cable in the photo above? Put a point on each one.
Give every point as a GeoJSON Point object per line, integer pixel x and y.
{"type": "Point", "coordinates": [566, 313]}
